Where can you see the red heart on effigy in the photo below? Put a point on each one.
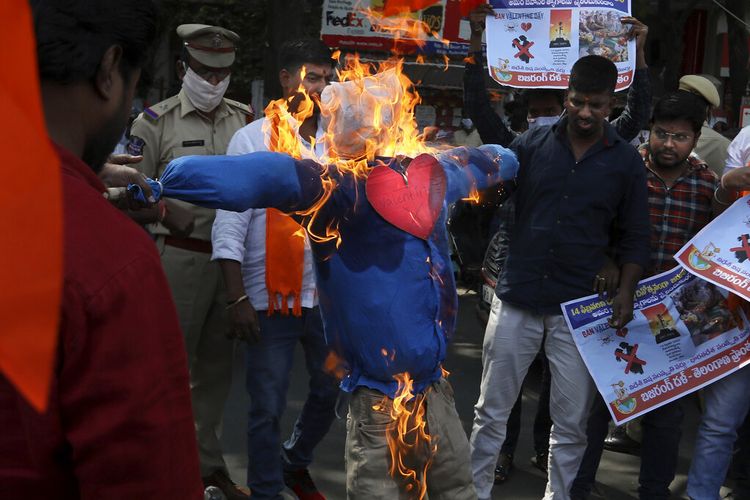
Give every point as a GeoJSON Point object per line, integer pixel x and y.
{"type": "Point", "coordinates": [622, 332]}
{"type": "Point", "coordinates": [526, 26]}
{"type": "Point", "coordinates": [412, 202]}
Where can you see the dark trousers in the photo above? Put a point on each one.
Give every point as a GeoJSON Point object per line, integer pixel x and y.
{"type": "Point", "coordinates": [662, 430]}
{"type": "Point", "coordinates": [269, 365]}
{"type": "Point", "coordinates": [542, 420]}
{"type": "Point", "coordinates": [740, 468]}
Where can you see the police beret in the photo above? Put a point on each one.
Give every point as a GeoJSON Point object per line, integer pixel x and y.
{"type": "Point", "coordinates": [209, 45]}
{"type": "Point", "coordinates": [701, 86]}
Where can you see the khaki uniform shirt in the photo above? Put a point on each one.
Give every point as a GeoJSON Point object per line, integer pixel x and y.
{"type": "Point", "coordinates": [471, 139]}
{"type": "Point", "coordinates": [174, 128]}
{"type": "Point", "coordinates": [712, 149]}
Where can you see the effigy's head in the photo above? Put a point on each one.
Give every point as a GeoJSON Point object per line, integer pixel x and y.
{"type": "Point", "coordinates": [359, 115]}
{"type": "Point", "coordinates": [369, 112]}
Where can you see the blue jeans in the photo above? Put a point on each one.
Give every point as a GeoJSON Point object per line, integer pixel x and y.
{"type": "Point", "coordinates": [269, 363]}
{"type": "Point", "coordinates": [727, 402]}
{"type": "Point", "coordinates": [662, 430]}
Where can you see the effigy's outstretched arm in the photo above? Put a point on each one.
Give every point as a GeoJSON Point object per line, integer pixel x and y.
{"type": "Point", "coordinates": [477, 168]}
{"type": "Point", "coordinates": [237, 183]}
{"type": "Point", "coordinates": [276, 180]}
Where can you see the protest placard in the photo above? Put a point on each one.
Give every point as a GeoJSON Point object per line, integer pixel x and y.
{"type": "Point", "coordinates": [720, 252]}
{"type": "Point", "coordinates": [683, 336]}
{"type": "Point", "coordinates": [534, 43]}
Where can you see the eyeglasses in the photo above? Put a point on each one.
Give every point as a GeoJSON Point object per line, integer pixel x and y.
{"type": "Point", "coordinates": [678, 138]}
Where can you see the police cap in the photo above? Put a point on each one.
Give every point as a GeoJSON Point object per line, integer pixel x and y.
{"type": "Point", "coordinates": [701, 86]}
{"type": "Point", "coordinates": [209, 45]}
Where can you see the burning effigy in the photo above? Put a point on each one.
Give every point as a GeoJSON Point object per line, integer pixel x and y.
{"type": "Point", "coordinates": [374, 208]}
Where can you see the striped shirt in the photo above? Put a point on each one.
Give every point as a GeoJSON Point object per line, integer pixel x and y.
{"type": "Point", "coordinates": [678, 212]}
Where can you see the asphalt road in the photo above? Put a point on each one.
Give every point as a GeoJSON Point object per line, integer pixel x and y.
{"type": "Point", "coordinates": [616, 479]}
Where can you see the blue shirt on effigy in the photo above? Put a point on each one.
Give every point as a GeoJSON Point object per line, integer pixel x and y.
{"type": "Point", "coordinates": [388, 298]}
{"type": "Point", "coordinates": [565, 213]}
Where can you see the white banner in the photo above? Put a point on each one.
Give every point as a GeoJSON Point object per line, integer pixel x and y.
{"type": "Point", "coordinates": [534, 43]}
{"type": "Point", "coordinates": [720, 252]}
{"type": "Point", "coordinates": [683, 336]}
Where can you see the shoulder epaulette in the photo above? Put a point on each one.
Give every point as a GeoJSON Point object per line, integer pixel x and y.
{"type": "Point", "coordinates": [160, 109]}
{"type": "Point", "coordinates": [244, 108]}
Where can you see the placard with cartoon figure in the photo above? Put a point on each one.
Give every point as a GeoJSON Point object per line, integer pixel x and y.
{"type": "Point", "coordinates": [683, 336]}
{"type": "Point", "coordinates": [720, 252]}
{"type": "Point", "coordinates": [534, 43]}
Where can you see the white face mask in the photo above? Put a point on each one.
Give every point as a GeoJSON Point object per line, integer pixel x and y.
{"type": "Point", "coordinates": [540, 121]}
{"type": "Point", "coordinates": [201, 93]}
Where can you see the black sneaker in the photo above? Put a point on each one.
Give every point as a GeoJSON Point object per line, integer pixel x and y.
{"type": "Point", "coordinates": [619, 442]}
{"type": "Point", "coordinates": [504, 466]}
{"type": "Point", "coordinates": [540, 461]}
{"type": "Point", "coordinates": [300, 482]}
{"type": "Point", "coordinates": [220, 479]}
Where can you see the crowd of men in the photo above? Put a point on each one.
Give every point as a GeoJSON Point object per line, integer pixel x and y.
{"type": "Point", "coordinates": [150, 320]}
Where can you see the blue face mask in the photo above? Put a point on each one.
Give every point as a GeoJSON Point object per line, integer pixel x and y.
{"type": "Point", "coordinates": [542, 120]}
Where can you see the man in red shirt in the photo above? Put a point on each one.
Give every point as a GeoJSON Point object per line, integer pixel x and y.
{"type": "Point", "coordinates": [119, 423]}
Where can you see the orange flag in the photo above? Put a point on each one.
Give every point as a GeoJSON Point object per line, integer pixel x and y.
{"type": "Point", "coordinates": [30, 217]}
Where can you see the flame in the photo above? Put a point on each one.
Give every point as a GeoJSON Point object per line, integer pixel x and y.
{"type": "Point", "coordinates": [408, 437]}
{"type": "Point", "coordinates": [284, 119]}
{"type": "Point", "coordinates": [473, 197]}
{"type": "Point", "coordinates": [404, 28]}
{"type": "Point", "coordinates": [335, 366]}
{"type": "Point", "coordinates": [384, 97]}
{"type": "Point", "coordinates": [389, 129]}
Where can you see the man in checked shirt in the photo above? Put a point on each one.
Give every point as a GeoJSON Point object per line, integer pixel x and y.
{"type": "Point", "coordinates": [681, 201]}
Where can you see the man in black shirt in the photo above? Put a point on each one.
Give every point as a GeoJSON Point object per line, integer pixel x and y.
{"type": "Point", "coordinates": [544, 108]}
{"type": "Point", "coordinates": [577, 178]}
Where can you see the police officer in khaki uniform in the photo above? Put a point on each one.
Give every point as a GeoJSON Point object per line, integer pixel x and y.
{"type": "Point", "coordinates": [196, 121]}
{"type": "Point", "coordinates": [712, 146]}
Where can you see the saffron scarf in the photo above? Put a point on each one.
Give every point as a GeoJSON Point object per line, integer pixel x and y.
{"type": "Point", "coordinates": [285, 254]}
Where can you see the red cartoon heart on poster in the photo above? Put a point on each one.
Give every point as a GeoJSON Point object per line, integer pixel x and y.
{"type": "Point", "coordinates": [526, 26]}
{"type": "Point", "coordinates": [412, 202]}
